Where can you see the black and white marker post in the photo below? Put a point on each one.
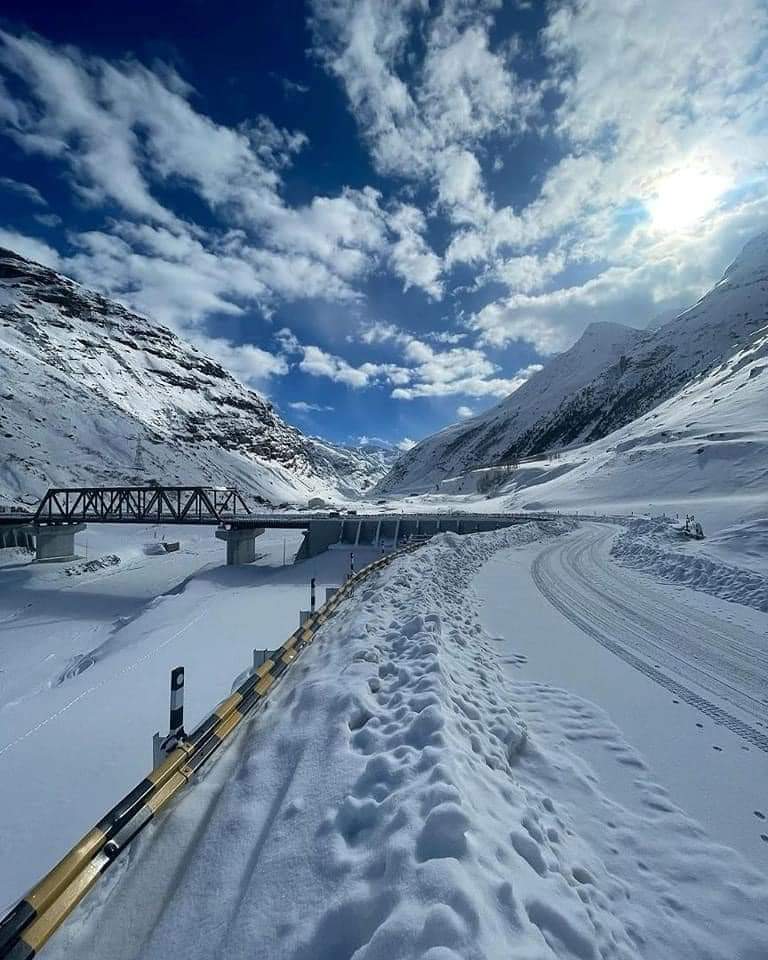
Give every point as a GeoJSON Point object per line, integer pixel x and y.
{"type": "Point", "coordinates": [176, 724]}
{"type": "Point", "coordinates": [161, 748]}
{"type": "Point", "coordinates": [352, 564]}
{"type": "Point", "coordinates": [312, 595]}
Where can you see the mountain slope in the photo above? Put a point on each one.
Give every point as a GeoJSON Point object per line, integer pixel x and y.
{"type": "Point", "coordinates": [612, 375]}
{"type": "Point", "coordinates": [92, 393]}
{"type": "Point", "coordinates": [703, 450]}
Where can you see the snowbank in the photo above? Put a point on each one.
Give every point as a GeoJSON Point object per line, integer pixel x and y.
{"type": "Point", "coordinates": [391, 803]}
{"type": "Point", "coordinates": [653, 545]}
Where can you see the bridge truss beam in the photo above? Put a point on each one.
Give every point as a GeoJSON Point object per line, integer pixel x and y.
{"type": "Point", "coordinates": [153, 504]}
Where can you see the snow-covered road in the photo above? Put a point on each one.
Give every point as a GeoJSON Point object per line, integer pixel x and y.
{"type": "Point", "coordinates": [643, 655]}
{"type": "Point", "coordinates": [719, 667]}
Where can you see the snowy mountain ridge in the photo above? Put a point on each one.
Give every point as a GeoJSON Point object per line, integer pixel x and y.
{"type": "Point", "coordinates": [92, 393]}
{"type": "Point", "coordinates": [609, 377]}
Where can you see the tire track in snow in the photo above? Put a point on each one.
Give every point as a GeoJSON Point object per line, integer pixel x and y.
{"type": "Point", "coordinates": [578, 591]}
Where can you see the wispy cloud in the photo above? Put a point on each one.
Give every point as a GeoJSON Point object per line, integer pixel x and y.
{"type": "Point", "coordinates": [25, 190]}
{"type": "Point", "coordinates": [301, 406]}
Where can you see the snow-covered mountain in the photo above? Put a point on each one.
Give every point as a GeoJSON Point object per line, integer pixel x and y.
{"type": "Point", "coordinates": [611, 376]}
{"type": "Point", "coordinates": [92, 393]}
{"type": "Point", "coordinates": [703, 450]}
{"type": "Point", "coordinates": [357, 468]}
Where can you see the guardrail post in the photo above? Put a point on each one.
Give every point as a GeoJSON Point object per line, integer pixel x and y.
{"type": "Point", "coordinates": [161, 747]}
{"type": "Point", "coordinates": [312, 595]}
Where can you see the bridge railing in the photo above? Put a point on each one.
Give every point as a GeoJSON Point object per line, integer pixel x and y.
{"type": "Point", "coordinates": [150, 504]}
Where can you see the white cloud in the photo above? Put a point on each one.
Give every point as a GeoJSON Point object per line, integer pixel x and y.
{"type": "Point", "coordinates": [423, 372]}
{"type": "Point", "coordinates": [48, 219]}
{"type": "Point", "coordinates": [438, 101]}
{"type": "Point", "coordinates": [411, 257]}
{"type": "Point", "coordinates": [464, 412]}
{"type": "Point", "coordinates": [527, 273]}
{"type": "Point", "coordinates": [291, 87]}
{"type": "Point", "coordinates": [366, 441]}
{"type": "Point", "coordinates": [301, 406]}
{"type": "Point", "coordinates": [171, 277]}
{"type": "Point", "coordinates": [463, 92]}
{"type": "Point", "coordinates": [405, 444]}
{"type": "Point", "coordinates": [29, 247]}
{"type": "Point", "coordinates": [69, 122]}
{"type": "Point", "coordinates": [379, 332]}
{"type": "Point", "coordinates": [656, 274]}
{"type": "Point", "coordinates": [121, 129]}
{"type": "Point", "coordinates": [318, 363]}
{"type": "Point", "coordinates": [247, 362]}
{"type": "Point", "coordinates": [25, 190]}
{"type": "Point", "coordinates": [637, 117]}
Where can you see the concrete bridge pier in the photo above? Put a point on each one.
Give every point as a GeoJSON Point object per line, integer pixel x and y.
{"type": "Point", "coordinates": [56, 543]}
{"type": "Point", "coordinates": [241, 543]}
{"type": "Point", "coordinates": [21, 536]}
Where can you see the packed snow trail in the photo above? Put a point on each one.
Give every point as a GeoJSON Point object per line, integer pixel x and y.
{"type": "Point", "coordinates": [720, 668]}
{"type": "Point", "coordinates": [391, 802]}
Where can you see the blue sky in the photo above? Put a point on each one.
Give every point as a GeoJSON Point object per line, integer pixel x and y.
{"type": "Point", "coordinates": [385, 216]}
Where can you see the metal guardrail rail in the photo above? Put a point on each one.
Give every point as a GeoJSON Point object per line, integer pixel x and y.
{"type": "Point", "coordinates": [32, 922]}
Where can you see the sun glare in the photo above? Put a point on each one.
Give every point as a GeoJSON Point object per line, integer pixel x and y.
{"type": "Point", "coordinates": [684, 197]}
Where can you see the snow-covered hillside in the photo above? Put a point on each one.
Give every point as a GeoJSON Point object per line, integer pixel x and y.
{"type": "Point", "coordinates": [611, 376]}
{"type": "Point", "coordinates": [707, 443]}
{"type": "Point", "coordinates": [88, 390]}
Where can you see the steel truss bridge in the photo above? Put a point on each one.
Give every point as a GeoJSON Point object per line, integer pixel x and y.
{"type": "Point", "coordinates": [155, 504]}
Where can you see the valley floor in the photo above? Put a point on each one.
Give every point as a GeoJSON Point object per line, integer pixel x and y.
{"type": "Point", "coordinates": [471, 761]}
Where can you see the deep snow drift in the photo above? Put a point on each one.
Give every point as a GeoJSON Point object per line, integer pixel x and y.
{"type": "Point", "coordinates": [402, 796]}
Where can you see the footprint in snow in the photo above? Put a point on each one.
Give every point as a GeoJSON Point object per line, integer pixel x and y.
{"type": "Point", "coordinates": [517, 660]}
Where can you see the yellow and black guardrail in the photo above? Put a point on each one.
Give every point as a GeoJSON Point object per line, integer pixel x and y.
{"type": "Point", "coordinates": [35, 918]}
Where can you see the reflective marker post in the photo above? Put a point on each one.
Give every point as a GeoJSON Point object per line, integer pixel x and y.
{"type": "Point", "coordinates": [176, 723]}
{"type": "Point", "coordinates": [312, 595]}
{"type": "Point", "coordinates": [162, 747]}
{"type": "Point", "coordinates": [352, 564]}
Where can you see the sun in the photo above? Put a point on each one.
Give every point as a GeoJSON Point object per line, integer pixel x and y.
{"type": "Point", "coordinates": [682, 198]}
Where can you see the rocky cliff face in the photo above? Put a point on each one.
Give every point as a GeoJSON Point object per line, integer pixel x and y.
{"type": "Point", "coordinates": [92, 393]}
{"type": "Point", "coordinates": [611, 376]}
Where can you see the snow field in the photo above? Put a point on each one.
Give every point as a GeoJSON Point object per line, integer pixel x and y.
{"type": "Point", "coordinates": [392, 802]}
{"type": "Point", "coordinates": [85, 662]}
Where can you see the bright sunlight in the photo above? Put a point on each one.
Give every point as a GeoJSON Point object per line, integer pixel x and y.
{"type": "Point", "coordinates": [684, 197]}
